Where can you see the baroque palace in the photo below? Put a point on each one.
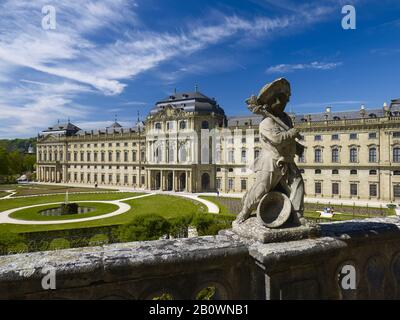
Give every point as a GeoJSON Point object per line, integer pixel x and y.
{"type": "Point", "coordinates": [187, 143]}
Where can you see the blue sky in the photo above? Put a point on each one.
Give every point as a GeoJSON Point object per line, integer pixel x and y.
{"type": "Point", "coordinates": [117, 57]}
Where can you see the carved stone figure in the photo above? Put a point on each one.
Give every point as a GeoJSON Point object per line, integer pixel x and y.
{"type": "Point", "coordinates": [277, 177]}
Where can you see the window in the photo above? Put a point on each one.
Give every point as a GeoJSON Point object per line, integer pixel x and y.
{"type": "Point", "coordinates": [396, 173]}
{"type": "Point", "coordinates": [302, 171]}
{"type": "Point", "coordinates": [372, 135]}
{"type": "Point", "coordinates": [335, 137]}
{"type": "Point", "coordinates": [126, 156]}
{"type": "Point", "coordinates": [353, 189]}
{"type": "Point", "coordinates": [230, 170]}
{"type": "Point", "coordinates": [218, 184]}
{"type": "Point", "coordinates": [353, 171]}
{"type": "Point", "coordinates": [372, 155]}
{"type": "Point", "coordinates": [244, 140]}
{"type": "Point", "coordinates": [373, 190]}
{"type": "Point", "coordinates": [302, 158]}
{"type": "Point", "coordinates": [353, 136]}
{"type": "Point", "coordinates": [372, 172]}
{"type": "Point", "coordinates": [231, 156]}
{"type": "Point", "coordinates": [110, 156]}
{"type": "Point", "coordinates": [118, 156]}
{"type": "Point", "coordinates": [353, 155]}
{"type": "Point", "coordinates": [256, 153]}
{"type": "Point", "coordinates": [335, 155]}
{"type": "Point", "coordinates": [396, 154]}
{"type": "Point", "coordinates": [318, 188]}
{"type": "Point", "coordinates": [317, 137]}
{"type": "Point", "coordinates": [230, 184]}
{"type": "Point", "coordinates": [335, 188]}
{"type": "Point", "coordinates": [243, 184]}
{"type": "Point", "coordinates": [318, 155]}
{"type": "Point", "coordinates": [157, 126]}
{"type": "Point", "coordinates": [204, 125]}
{"type": "Point", "coordinates": [396, 134]}
{"type": "Point", "coordinates": [396, 190]}
{"type": "Point", "coordinates": [317, 171]}
{"type": "Point", "coordinates": [243, 156]}
{"type": "Point", "coordinates": [133, 156]}
{"type": "Point", "coordinates": [335, 171]}
{"type": "Point", "coordinates": [125, 179]}
{"type": "Point", "coordinates": [182, 125]}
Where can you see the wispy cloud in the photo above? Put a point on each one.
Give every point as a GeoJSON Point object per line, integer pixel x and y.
{"type": "Point", "coordinates": [59, 66]}
{"type": "Point", "coordinates": [287, 68]}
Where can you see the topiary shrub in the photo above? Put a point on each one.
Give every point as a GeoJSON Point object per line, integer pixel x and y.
{"type": "Point", "coordinates": [19, 247]}
{"type": "Point", "coordinates": [391, 206]}
{"type": "Point", "coordinates": [59, 244]}
{"type": "Point", "coordinates": [8, 239]}
{"type": "Point", "coordinates": [143, 227]}
{"type": "Point", "coordinates": [98, 240]}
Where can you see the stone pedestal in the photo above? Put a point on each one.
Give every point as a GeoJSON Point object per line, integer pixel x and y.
{"type": "Point", "coordinates": [251, 229]}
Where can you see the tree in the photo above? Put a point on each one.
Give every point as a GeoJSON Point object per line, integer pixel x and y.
{"type": "Point", "coordinates": [4, 164]}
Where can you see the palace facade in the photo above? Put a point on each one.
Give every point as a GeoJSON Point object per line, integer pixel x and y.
{"type": "Point", "coordinates": [187, 143]}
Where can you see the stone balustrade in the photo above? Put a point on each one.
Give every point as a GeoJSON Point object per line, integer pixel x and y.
{"type": "Point", "coordinates": [236, 268]}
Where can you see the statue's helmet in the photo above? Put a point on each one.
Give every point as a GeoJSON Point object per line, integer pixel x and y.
{"type": "Point", "coordinates": [277, 87]}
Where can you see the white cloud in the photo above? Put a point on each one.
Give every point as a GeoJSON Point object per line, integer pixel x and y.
{"type": "Point", "coordinates": [286, 68]}
{"type": "Point", "coordinates": [60, 65]}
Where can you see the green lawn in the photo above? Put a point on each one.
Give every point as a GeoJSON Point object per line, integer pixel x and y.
{"type": "Point", "coordinates": [226, 205]}
{"type": "Point", "coordinates": [35, 215]}
{"type": "Point", "coordinates": [164, 205]}
{"type": "Point", "coordinates": [36, 189]}
{"type": "Point", "coordinates": [3, 194]}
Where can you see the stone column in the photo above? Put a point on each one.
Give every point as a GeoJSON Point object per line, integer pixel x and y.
{"type": "Point", "coordinates": [173, 180]}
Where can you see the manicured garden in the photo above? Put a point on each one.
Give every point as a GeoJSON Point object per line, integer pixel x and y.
{"type": "Point", "coordinates": [40, 189]}
{"type": "Point", "coordinates": [149, 218]}
{"type": "Point", "coordinates": [35, 213]}
{"type": "Point", "coordinates": [229, 205]}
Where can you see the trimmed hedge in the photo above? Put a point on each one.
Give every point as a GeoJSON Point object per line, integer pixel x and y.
{"type": "Point", "coordinates": [141, 228]}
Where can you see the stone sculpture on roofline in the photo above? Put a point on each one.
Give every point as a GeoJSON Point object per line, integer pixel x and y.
{"type": "Point", "coordinates": [277, 194]}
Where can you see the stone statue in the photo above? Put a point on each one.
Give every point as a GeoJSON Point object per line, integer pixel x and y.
{"type": "Point", "coordinates": [275, 170]}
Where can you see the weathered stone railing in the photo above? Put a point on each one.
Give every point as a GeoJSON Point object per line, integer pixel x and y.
{"type": "Point", "coordinates": [237, 269]}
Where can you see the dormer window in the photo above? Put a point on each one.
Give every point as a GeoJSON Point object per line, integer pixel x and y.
{"type": "Point", "coordinates": [185, 95]}
{"type": "Point", "coordinates": [336, 118]}
{"type": "Point", "coordinates": [303, 120]}
{"type": "Point", "coordinates": [372, 115]}
{"type": "Point", "coordinates": [171, 97]}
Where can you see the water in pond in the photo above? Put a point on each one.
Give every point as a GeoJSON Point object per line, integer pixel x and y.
{"type": "Point", "coordinates": [54, 212]}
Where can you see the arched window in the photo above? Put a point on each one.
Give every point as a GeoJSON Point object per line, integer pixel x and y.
{"type": "Point", "coordinates": [183, 153]}
{"type": "Point", "coordinates": [157, 126]}
{"type": "Point", "coordinates": [256, 153]}
{"type": "Point", "coordinates": [318, 155]}
{"type": "Point", "coordinates": [372, 172]}
{"type": "Point", "coordinates": [171, 154]}
{"type": "Point", "coordinates": [353, 155]}
{"type": "Point", "coordinates": [335, 155]}
{"type": "Point", "coordinates": [243, 156]}
{"type": "Point", "coordinates": [396, 154]}
{"type": "Point", "coordinates": [157, 154]}
{"type": "Point", "coordinates": [353, 171]}
{"type": "Point", "coordinates": [372, 157]}
{"type": "Point", "coordinates": [204, 125]}
{"type": "Point", "coordinates": [182, 125]}
{"type": "Point", "coordinates": [335, 171]}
